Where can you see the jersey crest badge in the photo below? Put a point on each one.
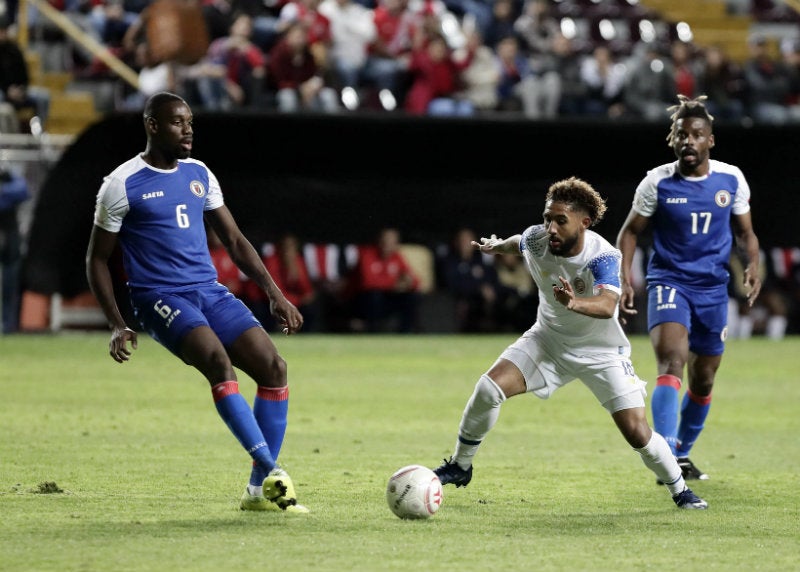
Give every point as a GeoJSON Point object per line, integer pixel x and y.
{"type": "Point", "coordinates": [722, 198]}
{"type": "Point", "coordinates": [579, 285]}
{"type": "Point", "coordinates": [197, 188]}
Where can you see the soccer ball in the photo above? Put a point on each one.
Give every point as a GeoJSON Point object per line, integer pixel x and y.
{"type": "Point", "coordinates": [414, 492]}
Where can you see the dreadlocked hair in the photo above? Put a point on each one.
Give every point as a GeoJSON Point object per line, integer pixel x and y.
{"type": "Point", "coordinates": [688, 108]}
{"type": "Point", "coordinates": [580, 195]}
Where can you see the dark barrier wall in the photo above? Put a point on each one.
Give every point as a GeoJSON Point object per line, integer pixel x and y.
{"type": "Point", "coordinates": [341, 178]}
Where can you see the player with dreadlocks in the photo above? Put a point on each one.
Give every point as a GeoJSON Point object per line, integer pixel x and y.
{"type": "Point", "coordinates": [696, 207]}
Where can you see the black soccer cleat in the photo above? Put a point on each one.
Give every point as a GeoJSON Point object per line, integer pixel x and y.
{"type": "Point", "coordinates": [688, 500]}
{"type": "Point", "coordinates": [450, 473]}
{"type": "Point", "coordinates": [690, 472]}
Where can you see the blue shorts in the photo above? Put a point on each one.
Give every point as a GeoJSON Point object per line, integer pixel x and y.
{"type": "Point", "coordinates": [169, 314]}
{"type": "Point", "coordinates": [704, 314]}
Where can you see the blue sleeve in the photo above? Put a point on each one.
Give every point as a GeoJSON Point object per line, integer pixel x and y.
{"type": "Point", "coordinates": [605, 269]}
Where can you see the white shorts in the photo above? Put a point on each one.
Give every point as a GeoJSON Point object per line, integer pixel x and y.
{"type": "Point", "coordinates": [608, 374]}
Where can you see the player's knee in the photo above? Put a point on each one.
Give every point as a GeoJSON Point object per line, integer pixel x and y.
{"type": "Point", "coordinates": [488, 391]}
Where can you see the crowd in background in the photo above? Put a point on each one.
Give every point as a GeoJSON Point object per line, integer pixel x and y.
{"type": "Point", "coordinates": [440, 57]}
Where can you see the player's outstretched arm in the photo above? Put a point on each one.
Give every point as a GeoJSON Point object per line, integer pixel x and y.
{"type": "Point", "coordinates": [747, 242]}
{"type": "Point", "coordinates": [494, 245]}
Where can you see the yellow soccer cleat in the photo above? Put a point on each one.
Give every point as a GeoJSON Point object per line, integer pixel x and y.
{"type": "Point", "coordinates": [279, 490]}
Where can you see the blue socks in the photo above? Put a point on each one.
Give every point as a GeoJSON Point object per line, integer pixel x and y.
{"type": "Point", "coordinates": [235, 411]}
{"type": "Point", "coordinates": [664, 405]}
{"type": "Point", "coordinates": [271, 408]}
{"type": "Point", "coordinates": [694, 411]}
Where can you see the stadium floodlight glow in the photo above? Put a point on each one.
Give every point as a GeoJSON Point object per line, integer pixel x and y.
{"type": "Point", "coordinates": [647, 31]}
{"type": "Point", "coordinates": [568, 28]}
{"type": "Point", "coordinates": [607, 30]}
{"type": "Point", "coordinates": [684, 31]}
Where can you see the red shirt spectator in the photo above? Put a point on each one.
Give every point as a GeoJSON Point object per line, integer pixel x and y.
{"type": "Point", "coordinates": [435, 73]}
{"type": "Point", "coordinates": [382, 266]}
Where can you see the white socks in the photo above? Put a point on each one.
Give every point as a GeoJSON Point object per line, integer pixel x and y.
{"type": "Point", "coordinates": [480, 415]}
{"type": "Point", "coordinates": [658, 457]}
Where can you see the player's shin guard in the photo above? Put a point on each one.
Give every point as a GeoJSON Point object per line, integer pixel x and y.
{"type": "Point", "coordinates": [271, 408]}
{"type": "Point", "coordinates": [664, 406]}
{"type": "Point", "coordinates": [694, 411]}
{"type": "Point", "coordinates": [236, 412]}
{"type": "Point", "coordinates": [658, 457]}
{"type": "Point", "coordinates": [480, 415]}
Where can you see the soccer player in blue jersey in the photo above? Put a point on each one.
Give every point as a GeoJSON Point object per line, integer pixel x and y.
{"type": "Point", "coordinates": [155, 206]}
{"type": "Point", "coordinates": [576, 336]}
{"type": "Point", "coordinates": [695, 207]}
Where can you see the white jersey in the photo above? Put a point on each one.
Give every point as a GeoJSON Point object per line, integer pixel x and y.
{"type": "Point", "coordinates": [596, 267]}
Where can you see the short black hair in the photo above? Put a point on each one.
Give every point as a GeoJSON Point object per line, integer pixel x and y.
{"type": "Point", "coordinates": [158, 100]}
{"type": "Point", "coordinates": [688, 107]}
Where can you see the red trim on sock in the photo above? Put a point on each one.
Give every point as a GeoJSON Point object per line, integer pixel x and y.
{"type": "Point", "coordinates": [699, 399]}
{"type": "Point", "coordinates": [273, 393]}
{"type": "Point", "coordinates": [669, 380]}
{"type": "Point", "coordinates": [224, 389]}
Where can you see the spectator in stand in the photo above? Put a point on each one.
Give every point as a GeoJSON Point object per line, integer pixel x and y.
{"type": "Point", "coordinates": [501, 25]}
{"type": "Point", "coordinates": [13, 192]}
{"type": "Point", "coordinates": [475, 13]}
{"type": "Point", "coordinates": [317, 25]}
{"type": "Point", "coordinates": [296, 78]}
{"type": "Point", "coordinates": [565, 60]}
{"type": "Point", "coordinates": [790, 51]}
{"type": "Point", "coordinates": [352, 32]}
{"type": "Point", "coordinates": [684, 68]}
{"type": "Point", "coordinates": [605, 81]}
{"type": "Point", "coordinates": [521, 88]}
{"type": "Point", "coordinates": [329, 266]}
{"type": "Point", "coordinates": [767, 84]}
{"type": "Point", "coordinates": [721, 79]}
{"type": "Point", "coordinates": [517, 295]}
{"type": "Point", "coordinates": [470, 277]}
{"type": "Point", "coordinates": [218, 15]}
{"type": "Point", "coordinates": [481, 78]}
{"type": "Point", "coordinates": [387, 64]}
{"type": "Point", "coordinates": [649, 84]}
{"type": "Point", "coordinates": [384, 285]}
{"type": "Point", "coordinates": [537, 28]}
{"type": "Point", "coordinates": [435, 79]}
{"type": "Point", "coordinates": [286, 265]}
{"type": "Point", "coordinates": [232, 73]}
{"type": "Point", "coordinates": [15, 88]}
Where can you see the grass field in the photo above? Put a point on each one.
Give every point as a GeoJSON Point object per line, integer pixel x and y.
{"type": "Point", "coordinates": [128, 467]}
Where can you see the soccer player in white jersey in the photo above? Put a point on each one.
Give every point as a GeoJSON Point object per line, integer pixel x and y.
{"type": "Point", "coordinates": [576, 335]}
{"type": "Point", "coordinates": [691, 205]}
{"type": "Point", "coordinates": [155, 206]}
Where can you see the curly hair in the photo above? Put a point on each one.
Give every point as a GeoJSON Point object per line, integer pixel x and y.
{"type": "Point", "coordinates": [580, 195]}
{"type": "Point", "coordinates": [688, 108]}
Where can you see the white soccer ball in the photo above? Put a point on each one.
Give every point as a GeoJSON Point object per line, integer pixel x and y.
{"type": "Point", "coordinates": [414, 492]}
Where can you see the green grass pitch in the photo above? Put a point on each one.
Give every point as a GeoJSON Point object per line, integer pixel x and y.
{"type": "Point", "coordinates": [109, 467]}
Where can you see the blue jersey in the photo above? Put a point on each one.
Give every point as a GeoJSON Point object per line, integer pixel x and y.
{"type": "Point", "coordinates": [691, 222]}
{"type": "Point", "coordinates": [159, 217]}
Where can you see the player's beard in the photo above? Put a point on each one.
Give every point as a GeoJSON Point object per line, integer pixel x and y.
{"type": "Point", "coordinates": [567, 244]}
